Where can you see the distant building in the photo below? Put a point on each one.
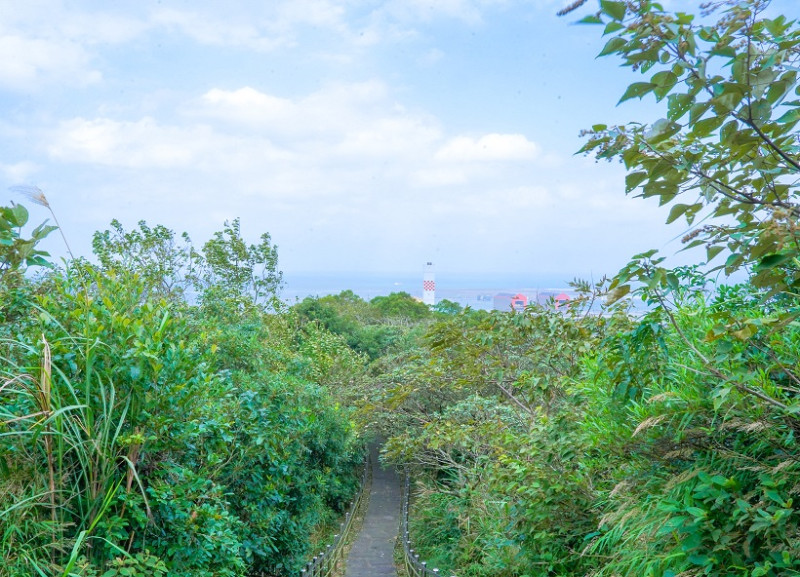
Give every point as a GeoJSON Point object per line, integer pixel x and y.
{"type": "Point", "coordinates": [553, 298]}
{"type": "Point", "coordinates": [508, 301]}
{"type": "Point", "coordinates": [502, 302]}
{"type": "Point", "coordinates": [543, 297]}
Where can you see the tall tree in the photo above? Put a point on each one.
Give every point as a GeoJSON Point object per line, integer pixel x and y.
{"type": "Point", "coordinates": [726, 156]}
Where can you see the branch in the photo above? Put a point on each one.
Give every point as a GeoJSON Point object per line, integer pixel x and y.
{"type": "Point", "coordinates": [738, 386]}
{"type": "Point", "coordinates": [794, 163]}
{"type": "Point", "coordinates": [511, 396]}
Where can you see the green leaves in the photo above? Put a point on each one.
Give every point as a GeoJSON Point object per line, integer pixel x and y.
{"type": "Point", "coordinates": [16, 252]}
{"type": "Point", "coordinates": [679, 105]}
{"type": "Point", "coordinates": [14, 216]}
{"type": "Point", "coordinates": [614, 9]}
{"type": "Point", "coordinates": [240, 269]}
{"type": "Point", "coordinates": [637, 90]}
{"type": "Point", "coordinates": [612, 46]}
{"type": "Point", "coordinates": [226, 264]}
{"type": "Point", "coordinates": [775, 260]}
{"type": "Point", "coordinates": [151, 416]}
{"type": "Point", "coordinates": [663, 81]}
{"type": "Point", "coordinates": [687, 210]}
{"type": "Point", "coordinates": [634, 179]}
{"type": "Point", "coordinates": [736, 155]}
{"type": "Point", "coordinates": [789, 117]}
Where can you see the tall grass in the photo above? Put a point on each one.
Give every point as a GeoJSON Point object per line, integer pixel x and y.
{"type": "Point", "coordinates": [64, 458]}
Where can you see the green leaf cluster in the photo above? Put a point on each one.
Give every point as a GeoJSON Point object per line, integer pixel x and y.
{"type": "Point", "coordinates": [143, 431]}
{"type": "Point", "coordinates": [726, 152]}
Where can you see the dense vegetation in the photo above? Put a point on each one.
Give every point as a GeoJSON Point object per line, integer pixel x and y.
{"type": "Point", "coordinates": [144, 434]}
{"type": "Point", "coordinates": [556, 441]}
{"type": "Point", "coordinates": [161, 412]}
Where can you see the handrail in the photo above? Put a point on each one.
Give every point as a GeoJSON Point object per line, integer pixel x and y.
{"type": "Point", "coordinates": [324, 564]}
{"type": "Point", "coordinates": [414, 567]}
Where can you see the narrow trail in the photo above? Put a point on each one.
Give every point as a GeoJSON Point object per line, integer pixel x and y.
{"type": "Point", "coordinates": [372, 554]}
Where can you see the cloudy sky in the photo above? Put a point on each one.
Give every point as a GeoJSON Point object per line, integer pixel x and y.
{"type": "Point", "coordinates": [363, 135]}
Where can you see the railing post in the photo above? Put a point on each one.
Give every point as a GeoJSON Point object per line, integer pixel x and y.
{"type": "Point", "coordinates": [322, 565]}
{"type": "Point", "coordinates": [414, 567]}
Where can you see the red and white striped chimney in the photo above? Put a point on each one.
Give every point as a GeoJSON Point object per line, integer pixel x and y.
{"type": "Point", "coordinates": [429, 285]}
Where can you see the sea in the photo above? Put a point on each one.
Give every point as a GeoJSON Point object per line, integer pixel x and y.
{"type": "Point", "coordinates": [476, 291]}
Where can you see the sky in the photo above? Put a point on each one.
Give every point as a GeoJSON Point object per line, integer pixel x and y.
{"type": "Point", "coordinates": [363, 135]}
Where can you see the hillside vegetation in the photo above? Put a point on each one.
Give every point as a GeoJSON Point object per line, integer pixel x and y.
{"type": "Point", "coordinates": [163, 413]}
{"type": "Point", "coordinates": [143, 434]}
{"type": "Point", "coordinates": [556, 441]}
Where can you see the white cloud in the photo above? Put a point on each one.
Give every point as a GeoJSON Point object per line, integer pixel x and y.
{"type": "Point", "coordinates": [260, 26]}
{"type": "Point", "coordinates": [344, 138]}
{"type": "Point", "coordinates": [440, 176]}
{"type": "Point", "coordinates": [44, 42]}
{"type": "Point", "coordinates": [320, 13]}
{"type": "Point", "coordinates": [50, 42]}
{"type": "Point", "coordinates": [216, 30]}
{"type": "Point", "coordinates": [393, 138]}
{"type": "Point", "coordinates": [18, 172]}
{"type": "Point", "coordinates": [146, 144]}
{"type": "Point", "coordinates": [248, 106]}
{"type": "Point", "coordinates": [29, 62]}
{"type": "Point", "coordinates": [470, 11]}
{"type": "Point", "coordinates": [93, 28]}
{"type": "Point", "coordinates": [332, 109]}
{"type": "Point", "coordinates": [356, 120]}
{"type": "Point", "coordinates": [490, 147]}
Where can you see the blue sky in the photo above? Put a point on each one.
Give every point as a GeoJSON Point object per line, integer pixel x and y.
{"type": "Point", "coordinates": [363, 135]}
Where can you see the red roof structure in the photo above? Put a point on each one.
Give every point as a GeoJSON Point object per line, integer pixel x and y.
{"type": "Point", "coordinates": [519, 302]}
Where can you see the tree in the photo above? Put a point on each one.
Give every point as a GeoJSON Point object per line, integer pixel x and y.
{"type": "Point", "coordinates": [726, 153]}
{"type": "Point", "coordinates": [166, 265]}
{"type": "Point", "coordinates": [447, 307]}
{"type": "Point", "coordinates": [727, 150]}
{"type": "Point", "coordinates": [226, 265]}
{"type": "Point", "coordinates": [242, 269]}
{"type": "Point", "coordinates": [725, 158]}
{"type": "Point", "coordinates": [400, 306]}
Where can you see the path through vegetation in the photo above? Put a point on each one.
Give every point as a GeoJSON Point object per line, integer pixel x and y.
{"type": "Point", "coordinates": [372, 553]}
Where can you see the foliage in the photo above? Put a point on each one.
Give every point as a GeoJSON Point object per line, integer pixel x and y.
{"type": "Point", "coordinates": [727, 148]}
{"type": "Point", "coordinates": [145, 434]}
{"type": "Point", "coordinates": [643, 463]}
{"type": "Point", "coordinates": [661, 444]}
{"type": "Point", "coordinates": [447, 307]}
{"type": "Point", "coordinates": [241, 269]}
{"type": "Point", "coordinates": [401, 306]}
{"type": "Point", "coordinates": [225, 269]}
{"type": "Point", "coordinates": [17, 252]}
{"type": "Point", "coordinates": [17, 255]}
{"type": "Point", "coordinates": [484, 414]}
{"type": "Point", "coordinates": [152, 252]}
{"type": "Point", "coordinates": [372, 328]}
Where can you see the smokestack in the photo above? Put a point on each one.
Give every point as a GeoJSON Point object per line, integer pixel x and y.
{"type": "Point", "coordinates": [429, 285]}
